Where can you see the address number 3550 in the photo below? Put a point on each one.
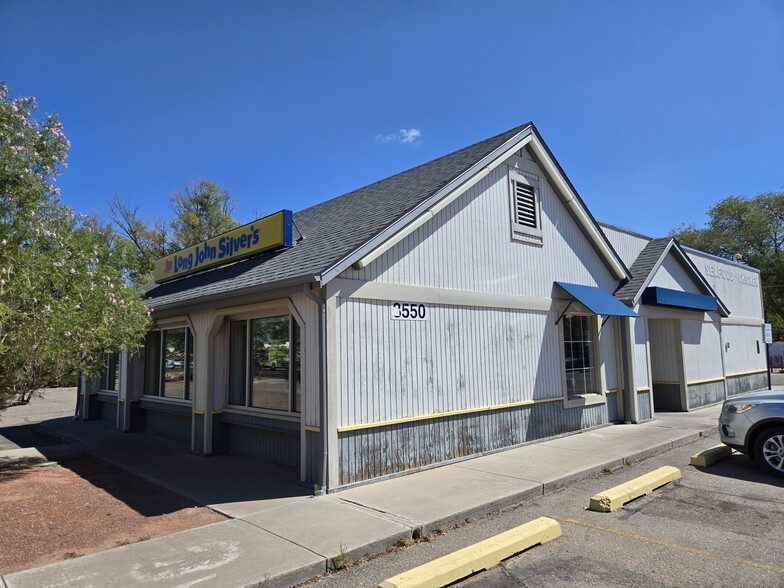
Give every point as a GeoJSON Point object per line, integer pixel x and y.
{"type": "Point", "coordinates": [409, 311]}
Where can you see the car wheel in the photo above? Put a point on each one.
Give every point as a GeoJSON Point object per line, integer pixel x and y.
{"type": "Point", "coordinates": [769, 449]}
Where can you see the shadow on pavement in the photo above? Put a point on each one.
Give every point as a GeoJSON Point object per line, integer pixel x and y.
{"type": "Point", "coordinates": [740, 467]}
{"type": "Point", "coordinates": [232, 484]}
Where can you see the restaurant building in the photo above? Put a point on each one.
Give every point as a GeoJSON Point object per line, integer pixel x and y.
{"type": "Point", "coordinates": [468, 305]}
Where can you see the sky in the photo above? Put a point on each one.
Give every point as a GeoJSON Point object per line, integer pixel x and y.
{"type": "Point", "coordinates": [656, 110]}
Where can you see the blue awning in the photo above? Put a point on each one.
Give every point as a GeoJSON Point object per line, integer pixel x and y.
{"type": "Point", "coordinates": [596, 300]}
{"type": "Point", "coordinates": [679, 299]}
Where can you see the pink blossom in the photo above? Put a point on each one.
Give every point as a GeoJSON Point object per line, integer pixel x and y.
{"type": "Point", "coordinates": [67, 333]}
{"type": "Point", "coordinates": [46, 309]}
{"type": "Point", "coordinates": [72, 270]}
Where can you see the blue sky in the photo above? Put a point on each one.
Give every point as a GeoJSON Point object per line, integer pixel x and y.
{"type": "Point", "coordinates": [656, 110]}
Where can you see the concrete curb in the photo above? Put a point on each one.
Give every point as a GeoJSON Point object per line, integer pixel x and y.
{"type": "Point", "coordinates": [480, 556]}
{"type": "Point", "coordinates": [616, 497]}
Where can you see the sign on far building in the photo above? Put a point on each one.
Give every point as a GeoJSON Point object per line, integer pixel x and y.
{"type": "Point", "coordinates": [265, 234]}
{"type": "Point", "coordinates": [768, 333]}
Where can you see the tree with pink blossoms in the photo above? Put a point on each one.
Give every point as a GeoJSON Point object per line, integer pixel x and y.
{"type": "Point", "coordinates": [64, 300]}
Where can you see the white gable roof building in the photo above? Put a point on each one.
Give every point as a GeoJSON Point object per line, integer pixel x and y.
{"type": "Point", "coordinates": [467, 305]}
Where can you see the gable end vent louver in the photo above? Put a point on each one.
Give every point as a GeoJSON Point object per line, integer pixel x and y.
{"type": "Point", "coordinates": [525, 205]}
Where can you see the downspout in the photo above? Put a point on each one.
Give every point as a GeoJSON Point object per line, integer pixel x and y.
{"type": "Point", "coordinates": [322, 379]}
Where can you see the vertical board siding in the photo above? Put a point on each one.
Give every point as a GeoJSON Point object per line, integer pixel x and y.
{"type": "Point", "coordinates": [665, 346]}
{"type": "Point", "coordinates": [628, 246]}
{"type": "Point", "coordinates": [107, 404]}
{"type": "Point", "coordinates": [168, 420]}
{"type": "Point", "coordinates": [468, 246]}
{"type": "Point", "coordinates": [738, 287]}
{"type": "Point", "coordinates": [742, 355]}
{"type": "Point", "coordinates": [309, 313]}
{"type": "Point", "coordinates": [701, 350]}
{"type": "Point", "coordinates": [460, 357]}
{"type": "Point", "coordinates": [644, 406]}
{"type": "Point", "coordinates": [640, 352]}
{"type": "Point", "coordinates": [746, 383]}
{"type": "Point", "coordinates": [705, 394]}
{"type": "Point", "coordinates": [380, 451]}
{"type": "Point", "coordinates": [671, 274]}
{"type": "Point", "coordinates": [612, 408]}
{"type": "Point", "coordinates": [609, 362]}
{"type": "Point", "coordinates": [315, 455]}
{"type": "Point", "coordinates": [266, 438]}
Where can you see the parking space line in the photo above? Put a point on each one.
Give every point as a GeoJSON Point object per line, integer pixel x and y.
{"type": "Point", "coordinates": [671, 545]}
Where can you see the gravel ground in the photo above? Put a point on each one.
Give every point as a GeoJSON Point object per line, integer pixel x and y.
{"type": "Point", "coordinates": [83, 505]}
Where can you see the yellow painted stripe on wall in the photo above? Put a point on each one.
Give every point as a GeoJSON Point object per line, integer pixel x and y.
{"type": "Point", "coordinates": [746, 373]}
{"type": "Point", "coordinates": [439, 415]}
{"type": "Point", "coordinates": [643, 389]}
{"type": "Point", "coordinates": [705, 381]}
{"type": "Point", "coordinates": [312, 429]}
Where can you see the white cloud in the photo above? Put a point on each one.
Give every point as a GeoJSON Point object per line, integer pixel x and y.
{"type": "Point", "coordinates": [402, 136]}
{"type": "Point", "coordinates": [410, 135]}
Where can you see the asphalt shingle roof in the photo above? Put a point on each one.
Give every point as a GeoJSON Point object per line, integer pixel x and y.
{"type": "Point", "coordinates": [333, 229]}
{"type": "Point", "coordinates": [642, 268]}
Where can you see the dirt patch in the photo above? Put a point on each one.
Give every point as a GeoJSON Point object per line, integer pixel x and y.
{"type": "Point", "coordinates": [80, 506]}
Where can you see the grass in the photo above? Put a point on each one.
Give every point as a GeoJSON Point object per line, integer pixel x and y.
{"type": "Point", "coordinates": [341, 560]}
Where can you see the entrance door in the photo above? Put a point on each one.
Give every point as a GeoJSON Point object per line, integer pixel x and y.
{"type": "Point", "coordinates": [666, 365]}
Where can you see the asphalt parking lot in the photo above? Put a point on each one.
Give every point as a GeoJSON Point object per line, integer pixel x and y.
{"type": "Point", "coordinates": [722, 525]}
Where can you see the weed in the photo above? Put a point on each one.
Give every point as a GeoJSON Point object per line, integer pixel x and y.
{"type": "Point", "coordinates": [341, 560]}
{"type": "Point", "coordinates": [71, 555]}
{"type": "Point", "coordinates": [405, 541]}
{"type": "Point", "coordinates": [121, 543]}
{"type": "Point", "coordinates": [627, 461]}
{"type": "Point", "coordinates": [315, 489]}
{"type": "Point", "coordinates": [143, 538]}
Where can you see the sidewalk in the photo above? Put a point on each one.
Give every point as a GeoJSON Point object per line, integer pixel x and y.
{"type": "Point", "coordinates": [280, 536]}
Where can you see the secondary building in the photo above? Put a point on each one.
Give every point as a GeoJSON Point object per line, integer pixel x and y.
{"type": "Point", "coordinates": [464, 306]}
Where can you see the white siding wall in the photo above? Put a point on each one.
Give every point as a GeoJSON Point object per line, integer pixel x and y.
{"type": "Point", "coordinates": [309, 313]}
{"type": "Point", "coordinates": [742, 356]}
{"type": "Point", "coordinates": [627, 245]}
{"type": "Point", "coordinates": [468, 246]}
{"type": "Point", "coordinates": [642, 377]}
{"type": "Point", "coordinates": [701, 351]}
{"type": "Point", "coordinates": [665, 347]}
{"type": "Point", "coordinates": [461, 357]}
{"type": "Point", "coordinates": [609, 365]}
{"type": "Point", "coordinates": [736, 285]}
{"type": "Point", "coordinates": [672, 275]}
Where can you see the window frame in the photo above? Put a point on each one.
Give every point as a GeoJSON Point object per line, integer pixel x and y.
{"type": "Point", "coordinates": [590, 398]}
{"type": "Point", "coordinates": [188, 375]}
{"type": "Point", "coordinates": [521, 231]}
{"type": "Point", "coordinates": [248, 319]}
{"type": "Point", "coordinates": [111, 365]}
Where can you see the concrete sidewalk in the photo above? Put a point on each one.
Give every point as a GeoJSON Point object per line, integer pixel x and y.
{"type": "Point", "coordinates": [280, 536]}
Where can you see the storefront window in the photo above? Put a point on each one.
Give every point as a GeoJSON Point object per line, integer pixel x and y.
{"type": "Point", "coordinates": [264, 363]}
{"type": "Point", "coordinates": [110, 374]}
{"type": "Point", "coordinates": [579, 336]}
{"type": "Point", "coordinates": [168, 363]}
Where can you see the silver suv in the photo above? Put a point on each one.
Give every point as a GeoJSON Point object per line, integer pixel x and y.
{"type": "Point", "coordinates": [754, 424]}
